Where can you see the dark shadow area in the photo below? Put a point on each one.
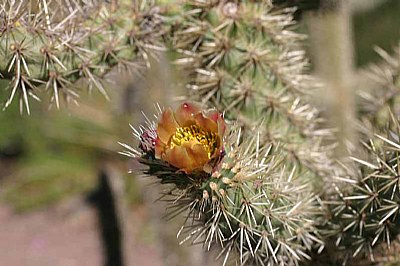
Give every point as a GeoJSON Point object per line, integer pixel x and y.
{"type": "Point", "coordinates": [102, 199]}
{"type": "Point", "coordinates": [376, 27]}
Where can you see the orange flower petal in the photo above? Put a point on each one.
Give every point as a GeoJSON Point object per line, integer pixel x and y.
{"type": "Point", "coordinates": [184, 114]}
{"type": "Point", "coordinates": [219, 119]}
{"type": "Point", "coordinates": [197, 153]}
{"type": "Point", "coordinates": [213, 115]}
{"type": "Point", "coordinates": [178, 157]}
{"type": "Point", "coordinates": [221, 126]}
{"type": "Point", "coordinates": [188, 157]}
{"type": "Point", "coordinates": [206, 123]}
{"type": "Point", "coordinates": [159, 148]}
{"type": "Point", "coordinates": [167, 126]}
{"type": "Point", "coordinates": [218, 149]}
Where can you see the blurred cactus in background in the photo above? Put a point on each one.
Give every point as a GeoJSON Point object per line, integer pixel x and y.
{"type": "Point", "coordinates": [376, 105]}
{"type": "Point", "coordinates": [47, 46]}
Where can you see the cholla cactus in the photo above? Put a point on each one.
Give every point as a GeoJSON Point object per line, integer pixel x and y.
{"type": "Point", "coordinates": [366, 211]}
{"type": "Point", "coordinates": [237, 194]}
{"type": "Point", "coordinates": [243, 58]}
{"type": "Point", "coordinates": [250, 201]}
{"type": "Point", "coordinates": [51, 46]}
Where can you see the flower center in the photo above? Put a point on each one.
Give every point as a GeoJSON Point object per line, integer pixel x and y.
{"type": "Point", "coordinates": [194, 132]}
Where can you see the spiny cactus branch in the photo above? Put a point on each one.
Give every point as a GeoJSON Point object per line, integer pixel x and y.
{"type": "Point", "coordinates": [365, 212]}
{"type": "Point", "coordinates": [243, 58]}
{"type": "Point", "coordinates": [248, 204]}
{"type": "Point", "coordinates": [55, 46]}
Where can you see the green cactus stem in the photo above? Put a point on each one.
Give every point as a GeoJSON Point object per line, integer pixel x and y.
{"type": "Point", "coordinates": [51, 47]}
{"type": "Point", "coordinates": [242, 57]}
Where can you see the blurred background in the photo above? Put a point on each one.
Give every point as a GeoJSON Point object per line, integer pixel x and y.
{"type": "Point", "coordinates": [65, 195]}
